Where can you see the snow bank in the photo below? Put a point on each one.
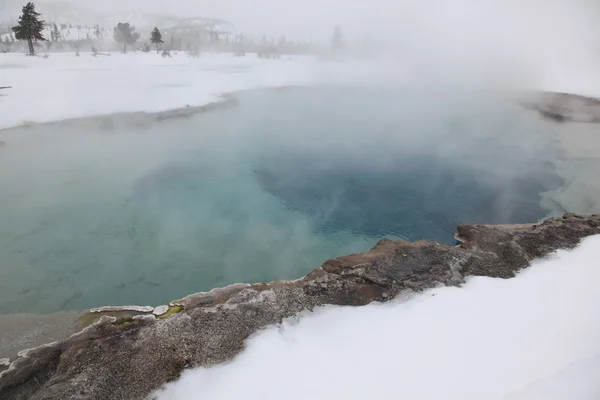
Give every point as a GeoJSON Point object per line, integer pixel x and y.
{"type": "Point", "coordinates": [491, 339]}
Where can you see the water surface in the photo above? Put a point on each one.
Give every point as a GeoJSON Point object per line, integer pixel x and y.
{"type": "Point", "coordinates": [142, 212]}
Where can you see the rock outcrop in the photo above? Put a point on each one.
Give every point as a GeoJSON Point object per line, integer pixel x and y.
{"type": "Point", "coordinates": [563, 107]}
{"type": "Point", "coordinates": [129, 357]}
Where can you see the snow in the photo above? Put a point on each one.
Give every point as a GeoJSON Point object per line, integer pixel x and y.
{"type": "Point", "coordinates": [64, 86]}
{"type": "Point", "coordinates": [579, 381]}
{"type": "Point", "coordinates": [102, 33]}
{"type": "Point", "coordinates": [530, 337]}
{"type": "Point", "coordinates": [74, 32]}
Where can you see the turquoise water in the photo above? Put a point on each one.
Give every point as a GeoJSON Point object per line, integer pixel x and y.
{"type": "Point", "coordinates": [141, 212]}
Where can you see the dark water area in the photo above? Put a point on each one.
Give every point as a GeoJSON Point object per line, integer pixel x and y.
{"type": "Point", "coordinates": [268, 189]}
{"type": "Point", "coordinates": [417, 197]}
{"type": "Point", "coordinates": [487, 163]}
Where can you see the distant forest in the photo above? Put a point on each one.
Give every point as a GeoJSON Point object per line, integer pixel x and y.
{"type": "Point", "coordinates": [192, 35]}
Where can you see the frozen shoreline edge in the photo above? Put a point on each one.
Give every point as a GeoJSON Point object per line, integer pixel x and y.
{"type": "Point", "coordinates": [138, 120]}
{"type": "Point", "coordinates": [208, 328]}
{"type": "Point", "coordinates": [555, 106]}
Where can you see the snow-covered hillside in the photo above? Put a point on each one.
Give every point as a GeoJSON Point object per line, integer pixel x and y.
{"type": "Point", "coordinates": [78, 22]}
{"type": "Point", "coordinates": [71, 32]}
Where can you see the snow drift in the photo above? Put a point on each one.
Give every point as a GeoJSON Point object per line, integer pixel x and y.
{"type": "Point", "coordinates": [531, 337]}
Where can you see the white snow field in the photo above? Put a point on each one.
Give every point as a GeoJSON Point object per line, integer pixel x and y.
{"type": "Point", "coordinates": [531, 337]}
{"type": "Point", "coordinates": [64, 86]}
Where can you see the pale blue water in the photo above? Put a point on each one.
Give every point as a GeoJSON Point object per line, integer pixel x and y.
{"type": "Point", "coordinates": [144, 212]}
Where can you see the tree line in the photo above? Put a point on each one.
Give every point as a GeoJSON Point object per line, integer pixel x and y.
{"type": "Point", "coordinates": [30, 29]}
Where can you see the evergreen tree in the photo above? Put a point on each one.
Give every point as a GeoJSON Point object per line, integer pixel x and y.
{"type": "Point", "coordinates": [30, 27]}
{"type": "Point", "coordinates": [337, 43]}
{"type": "Point", "coordinates": [54, 33]}
{"type": "Point", "coordinates": [156, 38]}
{"type": "Point", "coordinates": [125, 34]}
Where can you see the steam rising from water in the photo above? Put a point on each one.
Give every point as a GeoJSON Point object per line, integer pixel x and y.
{"type": "Point", "coordinates": [531, 337]}
{"type": "Point", "coordinates": [263, 191]}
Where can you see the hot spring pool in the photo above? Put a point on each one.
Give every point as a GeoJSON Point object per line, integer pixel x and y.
{"type": "Point", "coordinates": [134, 211]}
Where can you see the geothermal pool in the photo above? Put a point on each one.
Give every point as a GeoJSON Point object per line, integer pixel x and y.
{"type": "Point", "coordinates": [130, 210]}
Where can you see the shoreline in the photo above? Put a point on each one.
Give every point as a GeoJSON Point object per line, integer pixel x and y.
{"type": "Point", "coordinates": [138, 353]}
{"type": "Point", "coordinates": [142, 118]}
{"type": "Point", "coordinates": [82, 87]}
{"type": "Point", "coordinates": [587, 150]}
{"type": "Point", "coordinates": [539, 101]}
{"type": "Point", "coordinates": [135, 118]}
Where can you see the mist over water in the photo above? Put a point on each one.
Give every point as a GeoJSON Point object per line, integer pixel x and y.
{"type": "Point", "coordinates": [410, 162]}
{"type": "Point", "coordinates": [142, 212]}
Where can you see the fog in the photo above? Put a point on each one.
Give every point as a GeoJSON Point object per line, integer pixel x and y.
{"type": "Point", "coordinates": [531, 337]}
{"type": "Point", "coordinates": [438, 48]}
{"type": "Point", "coordinates": [265, 189]}
{"type": "Point", "coordinates": [504, 43]}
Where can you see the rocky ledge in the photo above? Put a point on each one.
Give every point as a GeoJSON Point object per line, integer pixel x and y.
{"type": "Point", "coordinates": [563, 107]}
{"type": "Point", "coordinates": [127, 356]}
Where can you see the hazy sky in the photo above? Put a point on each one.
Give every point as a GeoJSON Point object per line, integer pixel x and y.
{"type": "Point", "coordinates": [437, 20]}
{"type": "Point", "coordinates": [527, 37]}
{"type": "Point", "coordinates": [517, 39]}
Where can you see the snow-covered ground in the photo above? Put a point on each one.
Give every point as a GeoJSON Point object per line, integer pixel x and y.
{"type": "Point", "coordinates": [64, 86]}
{"type": "Point", "coordinates": [533, 337]}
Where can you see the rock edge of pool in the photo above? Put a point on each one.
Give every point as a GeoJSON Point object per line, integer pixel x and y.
{"type": "Point", "coordinates": [132, 351]}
